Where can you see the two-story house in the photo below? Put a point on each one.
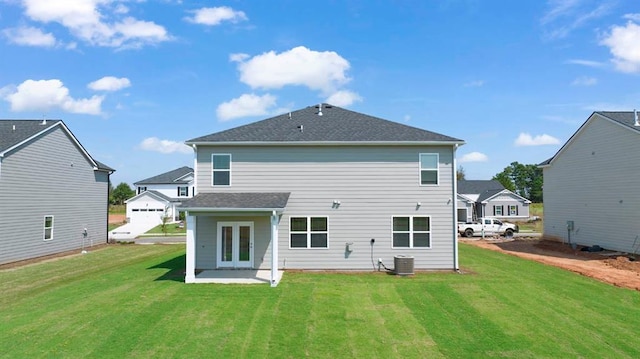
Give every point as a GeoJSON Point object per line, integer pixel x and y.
{"type": "Point", "coordinates": [321, 188]}
{"type": "Point", "coordinates": [158, 196]}
{"type": "Point", "coordinates": [53, 195]}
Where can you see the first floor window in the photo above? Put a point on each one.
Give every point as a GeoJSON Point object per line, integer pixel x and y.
{"type": "Point", "coordinates": [412, 232]}
{"type": "Point", "coordinates": [309, 232]}
{"type": "Point", "coordinates": [48, 228]}
{"type": "Point", "coordinates": [497, 210]}
{"type": "Point", "coordinates": [513, 210]}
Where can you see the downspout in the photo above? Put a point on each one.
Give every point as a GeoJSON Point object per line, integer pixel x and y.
{"type": "Point", "coordinates": [195, 170]}
{"type": "Point", "coordinates": [455, 209]}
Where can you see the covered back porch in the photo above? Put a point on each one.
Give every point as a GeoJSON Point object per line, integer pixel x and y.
{"type": "Point", "coordinates": [233, 237]}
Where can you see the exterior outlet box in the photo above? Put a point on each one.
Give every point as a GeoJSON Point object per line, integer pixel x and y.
{"type": "Point", "coordinates": [570, 225]}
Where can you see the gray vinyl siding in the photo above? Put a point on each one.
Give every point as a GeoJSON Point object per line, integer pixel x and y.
{"type": "Point", "coordinates": [372, 183]}
{"type": "Point", "coordinates": [505, 201]}
{"type": "Point", "coordinates": [50, 176]}
{"type": "Point", "coordinates": [593, 182]}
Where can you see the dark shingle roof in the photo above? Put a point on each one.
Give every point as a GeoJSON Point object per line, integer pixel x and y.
{"type": "Point", "coordinates": [277, 200]}
{"type": "Point", "coordinates": [335, 125]}
{"type": "Point", "coordinates": [168, 177]}
{"type": "Point", "coordinates": [478, 186]}
{"type": "Point", "coordinates": [626, 118]}
{"type": "Point", "coordinates": [24, 129]}
{"type": "Point", "coordinates": [14, 132]}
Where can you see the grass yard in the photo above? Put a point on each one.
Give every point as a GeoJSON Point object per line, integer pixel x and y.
{"type": "Point", "coordinates": [130, 302]}
{"type": "Point", "coordinates": [171, 228]}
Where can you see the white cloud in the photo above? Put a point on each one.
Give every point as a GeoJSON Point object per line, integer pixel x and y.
{"type": "Point", "coordinates": [585, 81]}
{"type": "Point", "coordinates": [473, 157]}
{"type": "Point", "coordinates": [29, 36]}
{"type": "Point", "coordinates": [45, 95]}
{"type": "Point", "coordinates": [624, 45]}
{"type": "Point", "coordinates": [324, 71]}
{"type": "Point", "coordinates": [245, 105]}
{"type": "Point", "coordinates": [634, 17]}
{"type": "Point", "coordinates": [343, 98]}
{"type": "Point", "coordinates": [109, 83]}
{"type": "Point", "coordinates": [477, 83]}
{"type": "Point", "coordinates": [164, 146]}
{"type": "Point", "coordinates": [587, 63]}
{"type": "Point", "coordinates": [86, 20]}
{"type": "Point", "coordinates": [525, 139]}
{"type": "Point", "coordinates": [212, 16]}
{"type": "Point", "coordinates": [239, 57]}
{"type": "Point", "coordinates": [565, 16]}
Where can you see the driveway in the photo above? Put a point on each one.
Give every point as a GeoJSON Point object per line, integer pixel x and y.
{"type": "Point", "coordinates": [129, 231]}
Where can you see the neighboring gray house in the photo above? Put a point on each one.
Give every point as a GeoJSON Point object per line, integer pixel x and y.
{"type": "Point", "coordinates": [321, 188]}
{"type": "Point", "coordinates": [159, 195]}
{"type": "Point", "coordinates": [489, 198]}
{"type": "Point", "coordinates": [53, 194]}
{"type": "Point", "coordinates": [591, 191]}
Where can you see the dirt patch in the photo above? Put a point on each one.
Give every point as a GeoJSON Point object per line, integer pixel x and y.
{"type": "Point", "coordinates": [611, 267]}
{"type": "Point", "coordinates": [117, 217]}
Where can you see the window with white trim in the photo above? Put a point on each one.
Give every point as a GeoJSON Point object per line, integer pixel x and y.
{"type": "Point", "coordinates": [48, 228]}
{"type": "Point", "coordinates": [513, 210]}
{"type": "Point", "coordinates": [411, 232]}
{"type": "Point", "coordinates": [497, 210]}
{"type": "Point", "coordinates": [183, 191]}
{"type": "Point", "coordinates": [221, 170]}
{"type": "Point", "coordinates": [428, 169]}
{"type": "Point", "coordinates": [309, 232]}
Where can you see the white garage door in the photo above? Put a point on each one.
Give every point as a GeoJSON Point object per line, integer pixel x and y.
{"type": "Point", "coordinates": [147, 215]}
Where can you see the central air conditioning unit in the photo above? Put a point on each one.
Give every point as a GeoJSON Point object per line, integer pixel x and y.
{"type": "Point", "coordinates": [403, 265]}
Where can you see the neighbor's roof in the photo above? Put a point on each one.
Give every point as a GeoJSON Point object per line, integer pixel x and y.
{"type": "Point", "coordinates": [14, 133]}
{"type": "Point", "coordinates": [478, 186]}
{"type": "Point", "coordinates": [237, 201]}
{"type": "Point", "coordinates": [153, 193]}
{"type": "Point", "coordinates": [625, 119]}
{"type": "Point", "coordinates": [335, 125]}
{"type": "Point", "coordinates": [171, 177]}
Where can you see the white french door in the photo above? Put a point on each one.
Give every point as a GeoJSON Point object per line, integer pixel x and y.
{"type": "Point", "coordinates": [235, 245]}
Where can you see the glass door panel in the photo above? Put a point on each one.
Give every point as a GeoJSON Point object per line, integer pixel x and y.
{"type": "Point", "coordinates": [244, 245]}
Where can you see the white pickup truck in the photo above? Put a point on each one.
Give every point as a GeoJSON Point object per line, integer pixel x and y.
{"type": "Point", "coordinates": [487, 227]}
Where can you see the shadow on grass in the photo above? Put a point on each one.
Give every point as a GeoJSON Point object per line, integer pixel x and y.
{"type": "Point", "coordinates": [175, 267]}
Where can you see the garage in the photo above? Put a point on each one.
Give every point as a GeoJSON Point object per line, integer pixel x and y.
{"type": "Point", "coordinates": [147, 207]}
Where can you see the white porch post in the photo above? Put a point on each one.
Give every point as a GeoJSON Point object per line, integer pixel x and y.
{"type": "Point", "coordinates": [274, 249]}
{"type": "Point", "coordinates": [190, 275]}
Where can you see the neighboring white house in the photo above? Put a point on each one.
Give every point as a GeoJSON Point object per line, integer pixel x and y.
{"type": "Point", "coordinates": [158, 196]}
{"type": "Point", "coordinates": [321, 188]}
{"type": "Point", "coordinates": [489, 198]}
{"type": "Point", "coordinates": [591, 194]}
{"type": "Point", "coordinates": [53, 194]}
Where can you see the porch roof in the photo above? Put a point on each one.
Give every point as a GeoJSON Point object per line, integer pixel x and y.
{"type": "Point", "coordinates": [237, 201]}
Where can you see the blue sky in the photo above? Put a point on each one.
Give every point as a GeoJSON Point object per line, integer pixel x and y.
{"type": "Point", "coordinates": [134, 79]}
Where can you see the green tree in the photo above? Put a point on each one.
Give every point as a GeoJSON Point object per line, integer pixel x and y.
{"type": "Point", "coordinates": [460, 174]}
{"type": "Point", "coordinates": [121, 193]}
{"type": "Point", "coordinates": [524, 180]}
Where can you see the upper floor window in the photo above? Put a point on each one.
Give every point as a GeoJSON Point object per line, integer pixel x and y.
{"type": "Point", "coordinates": [428, 168]}
{"type": "Point", "coordinates": [221, 165]}
{"type": "Point", "coordinates": [183, 191]}
{"type": "Point", "coordinates": [48, 228]}
{"type": "Point", "coordinates": [412, 232]}
{"type": "Point", "coordinates": [309, 232]}
{"type": "Point", "coordinates": [142, 189]}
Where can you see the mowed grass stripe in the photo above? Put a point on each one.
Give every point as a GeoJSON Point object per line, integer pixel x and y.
{"type": "Point", "coordinates": [131, 303]}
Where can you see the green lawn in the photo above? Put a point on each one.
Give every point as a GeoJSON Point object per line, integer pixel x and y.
{"type": "Point", "coordinates": [171, 228]}
{"type": "Point", "coordinates": [130, 302]}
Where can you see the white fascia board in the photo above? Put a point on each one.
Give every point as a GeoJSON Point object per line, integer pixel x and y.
{"type": "Point", "coordinates": [217, 210]}
{"type": "Point", "coordinates": [506, 191]}
{"type": "Point", "coordinates": [329, 143]}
